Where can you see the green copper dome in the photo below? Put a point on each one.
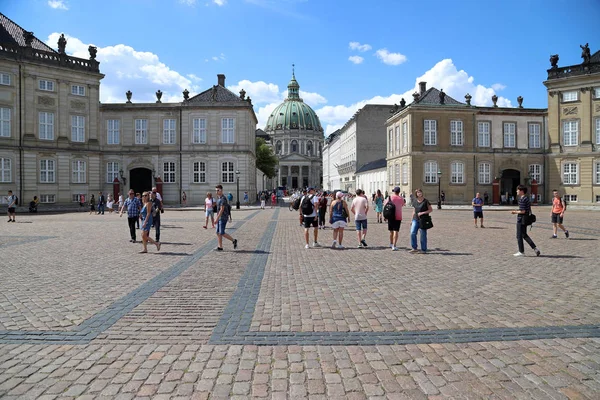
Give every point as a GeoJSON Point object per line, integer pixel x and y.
{"type": "Point", "coordinates": [293, 113]}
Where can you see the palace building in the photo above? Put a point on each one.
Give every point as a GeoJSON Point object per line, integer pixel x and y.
{"type": "Point", "coordinates": [58, 142]}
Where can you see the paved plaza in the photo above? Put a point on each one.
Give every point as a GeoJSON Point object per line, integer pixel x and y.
{"type": "Point", "coordinates": [84, 315]}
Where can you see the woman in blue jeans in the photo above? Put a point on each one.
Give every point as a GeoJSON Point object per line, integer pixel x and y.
{"type": "Point", "coordinates": [421, 206]}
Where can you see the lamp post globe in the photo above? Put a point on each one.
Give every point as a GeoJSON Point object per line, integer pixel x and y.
{"type": "Point", "coordinates": [439, 176]}
{"type": "Point", "coordinates": [237, 180]}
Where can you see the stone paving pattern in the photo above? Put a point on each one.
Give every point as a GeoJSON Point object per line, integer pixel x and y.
{"type": "Point", "coordinates": [59, 272]}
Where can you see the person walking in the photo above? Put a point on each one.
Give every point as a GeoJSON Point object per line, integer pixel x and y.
{"type": "Point", "coordinates": [224, 210]}
{"type": "Point", "coordinates": [395, 222]}
{"type": "Point", "coordinates": [209, 206]}
{"type": "Point", "coordinates": [559, 206]}
{"type": "Point", "coordinates": [110, 203]}
{"type": "Point", "coordinates": [120, 201]}
{"type": "Point", "coordinates": [246, 199]}
{"type": "Point", "coordinates": [522, 213]}
{"type": "Point", "coordinates": [263, 200]}
{"type": "Point", "coordinates": [322, 210]}
{"type": "Point", "coordinates": [101, 203]}
{"type": "Point", "coordinates": [338, 217]}
{"type": "Point", "coordinates": [156, 209]}
{"type": "Point", "coordinates": [378, 201]}
{"type": "Point", "coordinates": [273, 199]}
{"type": "Point", "coordinates": [139, 197]}
{"type": "Point", "coordinates": [133, 206]}
{"type": "Point", "coordinates": [92, 204]}
{"type": "Point", "coordinates": [443, 197]}
{"type": "Point", "coordinates": [477, 204]}
{"type": "Point", "coordinates": [12, 206]}
{"type": "Point", "coordinates": [184, 199]}
{"type": "Point", "coordinates": [422, 206]}
{"type": "Point", "coordinates": [146, 215]}
{"type": "Point", "coordinates": [360, 208]}
{"type": "Point", "coordinates": [308, 213]}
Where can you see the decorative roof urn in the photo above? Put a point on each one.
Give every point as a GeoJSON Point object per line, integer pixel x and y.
{"type": "Point", "coordinates": [158, 96]}
{"type": "Point", "coordinates": [242, 94]}
{"type": "Point", "coordinates": [186, 95]}
{"type": "Point", "coordinates": [495, 100]}
{"type": "Point", "coordinates": [520, 101]}
{"type": "Point", "coordinates": [468, 98]}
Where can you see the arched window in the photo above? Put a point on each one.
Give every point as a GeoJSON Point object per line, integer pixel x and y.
{"type": "Point", "coordinates": [309, 148]}
{"type": "Point", "coordinates": [294, 146]}
{"type": "Point", "coordinates": [320, 149]}
{"type": "Point", "coordinates": [278, 147]}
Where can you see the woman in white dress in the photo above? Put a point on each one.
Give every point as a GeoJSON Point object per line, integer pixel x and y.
{"type": "Point", "coordinates": [209, 205]}
{"type": "Point", "coordinates": [110, 202]}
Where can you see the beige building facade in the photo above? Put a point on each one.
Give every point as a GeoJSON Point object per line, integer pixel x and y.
{"type": "Point", "coordinates": [57, 142]}
{"type": "Point", "coordinates": [574, 128]}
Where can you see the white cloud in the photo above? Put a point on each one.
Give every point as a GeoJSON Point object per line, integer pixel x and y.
{"type": "Point", "coordinates": [260, 92]}
{"type": "Point", "coordinates": [390, 58]}
{"type": "Point", "coordinates": [359, 47]}
{"type": "Point", "coordinates": [58, 4]}
{"type": "Point", "coordinates": [188, 2]}
{"type": "Point", "coordinates": [498, 86]}
{"type": "Point", "coordinates": [312, 99]}
{"type": "Point", "coordinates": [356, 59]}
{"type": "Point", "coordinates": [128, 69]}
{"type": "Point", "coordinates": [220, 2]}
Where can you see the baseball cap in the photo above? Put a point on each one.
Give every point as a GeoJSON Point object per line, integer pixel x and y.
{"type": "Point", "coordinates": [396, 189]}
{"type": "Point", "coordinates": [339, 195]}
{"type": "Point", "coordinates": [311, 188]}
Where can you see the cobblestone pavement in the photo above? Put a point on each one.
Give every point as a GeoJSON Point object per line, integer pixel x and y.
{"type": "Point", "coordinates": [83, 315]}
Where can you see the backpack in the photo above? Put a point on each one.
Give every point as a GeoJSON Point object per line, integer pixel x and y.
{"type": "Point", "coordinates": [389, 211]}
{"type": "Point", "coordinates": [228, 211]}
{"type": "Point", "coordinates": [296, 204]}
{"type": "Point", "coordinates": [17, 201]}
{"type": "Point", "coordinates": [307, 205]}
{"type": "Point", "coordinates": [564, 202]}
{"type": "Point", "coordinates": [529, 219]}
{"type": "Point", "coordinates": [323, 202]}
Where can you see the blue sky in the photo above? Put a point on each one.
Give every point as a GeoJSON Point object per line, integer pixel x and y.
{"type": "Point", "coordinates": [347, 53]}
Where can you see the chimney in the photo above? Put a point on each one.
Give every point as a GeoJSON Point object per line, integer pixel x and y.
{"type": "Point", "coordinates": [221, 79]}
{"type": "Point", "coordinates": [422, 87]}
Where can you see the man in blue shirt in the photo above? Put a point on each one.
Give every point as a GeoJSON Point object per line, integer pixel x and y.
{"type": "Point", "coordinates": [522, 213]}
{"type": "Point", "coordinates": [133, 206]}
{"type": "Point", "coordinates": [477, 204]}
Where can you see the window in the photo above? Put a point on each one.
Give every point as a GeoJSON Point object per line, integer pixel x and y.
{"type": "Point", "coordinates": [397, 173]}
{"type": "Point", "coordinates": [457, 173]}
{"type": "Point", "coordinates": [404, 135]}
{"type": "Point", "coordinates": [4, 122]}
{"type": "Point", "coordinates": [47, 126]}
{"type": "Point", "coordinates": [227, 130]}
{"type": "Point", "coordinates": [78, 90]}
{"type": "Point", "coordinates": [390, 175]}
{"type": "Point", "coordinates": [456, 133]}
{"type": "Point", "coordinates": [78, 171]}
{"type": "Point", "coordinates": [278, 147]}
{"type": "Point", "coordinates": [227, 172]}
{"type": "Point", "coordinates": [535, 172]}
{"type": "Point", "coordinates": [4, 79]}
{"type": "Point", "coordinates": [569, 96]}
{"type": "Point", "coordinates": [112, 171]}
{"type": "Point", "coordinates": [597, 93]}
{"type": "Point", "coordinates": [510, 134]}
{"type": "Point", "coordinates": [199, 131]}
{"type": "Point", "coordinates": [294, 146]}
{"type": "Point", "coordinates": [397, 148]}
{"type": "Point", "coordinates": [570, 173]}
{"type": "Point", "coordinates": [169, 131]}
{"type": "Point", "coordinates": [570, 198]}
{"type": "Point", "coordinates": [113, 131]}
{"type": "Point", "coordinates": [570, 133]}
{"type": "Point", "coordinates": [5, 170]}
{"type": "Point", "coordinates": [596, 173]}
{"type": "Point", "coordinates": [597, 198]}
{"type": "Point", "coordinates": [141, 131]}
{"type": "Point", "coordinates": [485, 175]}
{"type": "Point", "coordinates": [199, 172]}
{"type": "Point", "coordinates": [597, 130]}
{"type": "Point", "coordinates": [77, 128]}
{"type": "Point", "coordinates": [309, 149]}
{"type": "Point", "coordinates": [430, 130]}
{"type": "Point", "coordinates": [169, 172]}
{"type": "Point", "coordinates": [47, 198]}
{"type": "Point", "coordinates": [47, 171]}
{"type": "Point", "coordinates": [390, 141]}
{"type": "Point", "coordinates": [483, 134]}
{"type": "Point", "coordinates": [405, 174]}
{"type": "Point", "coordinates": [76, 198]}
{"type": "Point", "coordinates": [535, 136]}
{"type": "Point", "coordinates": [431, 172]}
{"type": "Point", "coordinates": [46, 85]}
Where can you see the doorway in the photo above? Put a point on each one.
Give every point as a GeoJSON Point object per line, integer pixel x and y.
{"type": "Point", "coordinates": [511, 178]}
{"type": "Point", "coordinates": [294, 182]}
{"type": "Point", "coordinates": [141, 180]}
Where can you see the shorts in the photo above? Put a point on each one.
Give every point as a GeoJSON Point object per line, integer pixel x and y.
{"type": "Point", "coordinates": [310, 221]}
{"type": "Point", "coordinates": [394, 226]}
{"type": "Point", "coordinates": [338, 224]}
{"type": "Point", "coordinates": [11, 210]}
{"type": "Point", "coordinates": [557, 219]}
{"type": "Point", "coordinates": [209, 212]}
{"type": "Point", "coordinates": [221, 224]}
{"type": "Point", "coordinates": [361, 224]}
{"type": "Point", "coordinates": [477, 214]}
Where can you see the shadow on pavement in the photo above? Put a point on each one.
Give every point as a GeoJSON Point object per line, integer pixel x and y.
{"type": "Point", "coordinates": [252, 251]}
{"type": "Point", "coordinates": [171, 253]}
{"type": "Point", "coordinates": [582, 239]}
{"type": "Point", "coordinates": [176, 244]}
{"type": "Point", "coordinates": [560, 256]}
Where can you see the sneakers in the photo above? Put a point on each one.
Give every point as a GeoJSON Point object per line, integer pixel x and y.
{"type": "Point", "coordinates": [414, 251]}
{"type": "Point", "coordinates": [566, 234]}
{"type": "Point", "coordinates": [315, 244]}
{"type": "Point", "coordinates": [219, 249]}
{"type": "Point", "coordinates": [307, 246]}
{"type": "Point", "coordinates": [554, 237]}
{"type": "Point", "coordinates": [334, 244]}
{"type": "Point", "coordinates": [340, 247]}
{"type": "Point", "coordinates": [482, 226]}
{"type": "Point", "coordinates": [519, 254]}
{"type": "Point", "coordinates": [391, 245]}
{"type": "Point", "coordinates": [537, 252]}
{"type": "Point", "coordinates": [234, 244]}
{"type": "Point", "coordinates": [363, 242]}
{"type": "Point", "coordinates": [360, 246]}
{"type": "Point", "coordinates": [394, 248]}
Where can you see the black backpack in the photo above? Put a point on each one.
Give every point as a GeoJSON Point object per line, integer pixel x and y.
{"type": "Point", "coordinates": [17, 201]}
{"type": "Point", "coordinates": [307, 205]}
{"type": "Point", "coordinates": [296, 204]}
{"type": "Point", "coordinates": [389, 211]}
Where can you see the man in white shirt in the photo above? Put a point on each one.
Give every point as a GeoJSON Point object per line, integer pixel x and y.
{"type": "Point", "coordinates": [310, 215]}
{"type": "Point", "coordinates": [360, 208]}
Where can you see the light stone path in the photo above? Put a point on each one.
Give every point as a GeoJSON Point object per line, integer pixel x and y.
{"type": "Point", "coordinates": [83, 315]}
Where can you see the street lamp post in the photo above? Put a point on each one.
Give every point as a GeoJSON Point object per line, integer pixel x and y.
{"type": "Point", "coordinates": [237, 176]}
{"type": "Point", "coordinates": [439, 175]}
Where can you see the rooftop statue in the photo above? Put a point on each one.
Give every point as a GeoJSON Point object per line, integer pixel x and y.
{"type": "Point", "coordinates": [554, 60]}
{"type": "Point", "coordinates": [585, 53]}
{"type": "Point", "coordinates": [62, 43]}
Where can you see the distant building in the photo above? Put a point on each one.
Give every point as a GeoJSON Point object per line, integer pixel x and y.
{"type": "Point", "coordinates": [331, 161]}
{"type": "Point", "coordinates": [372, 177]}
